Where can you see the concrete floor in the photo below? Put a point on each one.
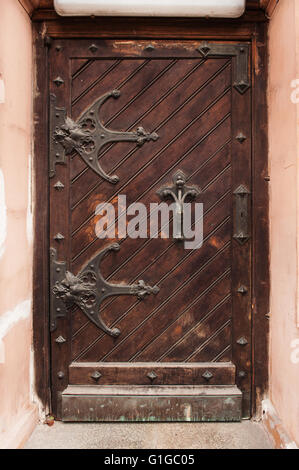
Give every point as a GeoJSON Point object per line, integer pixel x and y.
{"type": "Point", "coordinates": [244, 435]}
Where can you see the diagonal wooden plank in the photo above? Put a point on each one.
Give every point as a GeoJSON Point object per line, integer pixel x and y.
{"type": "Point", "coordinates": [163, 269]}
{"type": "Point", "coordinates": [122, 152]}
{"type": "Point", "coordinates": [203, 122]}
{"type": "Point", "coordinates": [215, 342]}
{"type": "Point", "coordinates": [78, 66]}
{"type": "Point", "coordinates": [186, 318]}
{"type": "Point", "coordinates": [202, 334]}
{"type": "Point", "coordinates": [215, 196]}
{"type": "Point", "coordinates": [147, 102]}
{"type": "Point", "coordinates": [148, 324]}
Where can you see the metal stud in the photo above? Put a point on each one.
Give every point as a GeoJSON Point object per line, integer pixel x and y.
{"type": "Point", "coordinates": [152, 376]}
{"type": "Point", "coordinates": [96, 375]}
{"type": "Point", "coordinates": [60, 375]}
{"type": "Point", "coordinates": [58, 81]}
{"type": "Point", "coordinates": [242, 374]}
{"type": "Point", "coordinates": [204, 49]}
{"type": "Point", "coordinates": [242, 341]}
{"type": "Point", "coordinates": [58, 237]}
{"type": "Point", "coordinates": [59, 185]}
{"type": "Point", "coordinates": [207, 375]}
{"type": "Point", "coordinates": [60, 340]}
{"type": "Point", "coordinates": [242, 290]}
{"type": "Point", "coordinates": [149, 48]}
{"type": "Point", "coordinates": [242, 86]}
{"type": "Point", "coordinates": [241, 137]}
{"type": "Point", "coordinates": [93, 48]}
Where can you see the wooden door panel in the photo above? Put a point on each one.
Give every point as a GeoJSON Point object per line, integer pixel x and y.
{"type": "Point", "coordinates": [139, 190]}
{"type": "Point", "coordinates": [162, 162]}
{"type": "Point", "coordinates": [189, 315]}
{"type": "Point", "coordinates": [136, 373]}
{"type": "Point", "coordinates": [196, 331]}
{"type": "Point", "coordinates": [170, 272]}
{"type": "Point", "coordinates": [170, 109]}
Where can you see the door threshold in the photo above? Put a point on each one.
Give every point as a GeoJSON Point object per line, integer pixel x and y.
{"type": "Point", "coordinates": [151, 403]}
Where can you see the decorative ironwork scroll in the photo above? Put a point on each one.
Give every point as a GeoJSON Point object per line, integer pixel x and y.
{"type": "Point", "coordinates": [87, 136]}
{"type": "Point", "coordinates": [179, 193]}
{"type": "Point", "coordinates": [88, 289]}
{"type": "Point", "coordinates": [240, 51]}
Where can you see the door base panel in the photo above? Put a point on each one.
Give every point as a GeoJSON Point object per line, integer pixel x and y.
{"type": "Point", "coordinates": [151, 403]}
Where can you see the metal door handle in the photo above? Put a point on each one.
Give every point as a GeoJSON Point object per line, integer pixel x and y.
{"type": "Point", "coordinates": [179, 193]}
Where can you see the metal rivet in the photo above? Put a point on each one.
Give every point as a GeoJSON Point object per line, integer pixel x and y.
{"type": "Point", "coordinates": [152, 376]}
{"type": "Point", "coordinates": [242, 374]}
{"type": "Point", "coordinates": [242, 341]}
{"type": "Point", "coordinates": [60, 340]}
{"type": "Point", "coordinates": [58, 237]}
{"type": "Point", "coordinates": [60, 375]}
{"type": "Point", "coordinates": [207, 375]}
{"type": "Point", "coordinates": [59, 185]}
{"type": "Point", "coordinates": [204, 49]}
{"type": "Point", "coordinates": [58, 81]}
{"type": "Point", "coordinates": [96, 375]}
{"type": "Point", "coordinates": [58, 270]}
{"type": "Point", "coordinates": [242, 290]}
{"type": "Point", "coordinates": [241, 137]}
{"type": "Point", "coordinates": [149, 48]}
{"type": "Point", "coordinates": [93, 48]}
{"type": "Point", "coordinates": [241, 86]}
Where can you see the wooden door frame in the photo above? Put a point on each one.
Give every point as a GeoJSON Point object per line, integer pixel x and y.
{"type": "Point", "coordinates": [48, 25]}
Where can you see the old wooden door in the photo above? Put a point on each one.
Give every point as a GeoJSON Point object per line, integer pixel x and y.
{"type": "Point", "coordinates": [176, 346]}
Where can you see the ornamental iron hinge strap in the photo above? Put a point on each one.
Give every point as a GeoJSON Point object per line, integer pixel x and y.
{"type": "Point", "coordinates": [88, 289]}
{"type": "Point", "coordinates": [87, 136]}
{"type": "Point", "coordinates": [241, 80]}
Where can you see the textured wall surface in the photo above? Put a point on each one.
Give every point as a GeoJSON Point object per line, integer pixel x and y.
{"type": "Point", "coordinates": [283, 155]}
{"type": "Point", "coordinates": [17, 414]}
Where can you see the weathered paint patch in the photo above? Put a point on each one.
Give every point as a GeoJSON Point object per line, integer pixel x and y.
{"type": "Point", "coordinates": [275, 428]}
{"type": "Point", "coordinates": [2, 90]}
{"type": "Point", "coordinates": [3, 215]}
{"type": "Point", "coordinates": [29, 218]}
{"type": "Point", "coordinates": [9, 319]}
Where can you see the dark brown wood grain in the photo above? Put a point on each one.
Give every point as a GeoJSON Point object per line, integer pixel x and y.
{"type": "Point", "coordinates": [137, 373]}
{"type": "Point", "coordinates": [193, 122]}
{"type": "Point", "coordinates": [41, 224]}
{"type": "Point", "coordinates": [260, 222]}
{"type": "Point", "coordinates": [214, 273]}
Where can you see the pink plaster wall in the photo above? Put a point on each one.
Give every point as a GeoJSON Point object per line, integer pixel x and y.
{"type": "Point", "coordinates": [17, 413]}
{"type": "Point", "coordinates": [283, 156]}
